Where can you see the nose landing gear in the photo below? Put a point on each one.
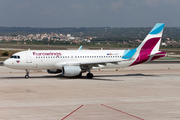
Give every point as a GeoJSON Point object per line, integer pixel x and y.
{"type": "Point", "coordinates": [27, 74]}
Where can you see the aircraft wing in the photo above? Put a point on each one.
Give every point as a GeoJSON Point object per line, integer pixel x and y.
{"type": "Point", "coordinates": [97, 63]}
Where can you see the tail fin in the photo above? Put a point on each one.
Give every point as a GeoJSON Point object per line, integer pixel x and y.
{"type": "Point", "coordinates": [153, 39]}
{"type": "Point", "coordinates": [149, 48]}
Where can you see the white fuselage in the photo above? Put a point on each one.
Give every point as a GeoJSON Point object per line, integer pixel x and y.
{"type": "Point", "coordinates": [56, 59]}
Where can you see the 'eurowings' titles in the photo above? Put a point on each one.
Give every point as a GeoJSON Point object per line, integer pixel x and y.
{"type": "Point", "coordinates": [47, 54]}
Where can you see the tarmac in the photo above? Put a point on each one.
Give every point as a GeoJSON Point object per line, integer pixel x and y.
{"type": "Point", "coordinates": [142, 92]}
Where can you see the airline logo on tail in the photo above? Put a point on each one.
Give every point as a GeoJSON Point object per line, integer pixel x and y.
{"type": "Point", "coordinates": [158, 28]}
{"type": "Point", "coordinates": [149, 48]}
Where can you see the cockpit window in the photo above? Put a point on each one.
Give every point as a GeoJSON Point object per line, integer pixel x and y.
{"type": "Point", "coordinates": [15, 57]}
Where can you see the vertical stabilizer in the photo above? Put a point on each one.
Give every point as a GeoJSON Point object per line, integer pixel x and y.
{"type": "Point", "coordinates": [150, 45]}
{"type": "Point", "coordinates": [153, 39]}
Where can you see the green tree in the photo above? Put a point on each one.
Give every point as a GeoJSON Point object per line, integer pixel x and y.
{"type": "Point", "coordinates": [5, 53]}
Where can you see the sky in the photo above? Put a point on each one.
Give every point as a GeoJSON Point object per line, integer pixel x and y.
{"type": "Point", "coordinates": [89, 13]}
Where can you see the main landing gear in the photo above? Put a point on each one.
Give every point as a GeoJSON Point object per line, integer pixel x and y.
{"type": "Point", "coordinates": [89, 74]}
{"type": "Point", "coordinates": [27, 74]}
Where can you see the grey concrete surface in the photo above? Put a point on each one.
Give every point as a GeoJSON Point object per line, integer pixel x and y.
{"type": "Point", "coordinates": [146, 91]}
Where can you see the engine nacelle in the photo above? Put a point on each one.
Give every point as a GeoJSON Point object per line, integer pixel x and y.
{"type": "Point", "coordinates": [71, 70]}
{"type": "Point", "coordinates": [54, 71]}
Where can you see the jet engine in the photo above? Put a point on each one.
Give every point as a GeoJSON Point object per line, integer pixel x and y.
{"type": "Point", "coordinates": [71, 70]}
{"type": "Point", "coordinates": [54, 71]}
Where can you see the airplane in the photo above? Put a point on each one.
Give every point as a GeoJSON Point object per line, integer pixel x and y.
{"type": "Point", "coordinates": [75, 62]}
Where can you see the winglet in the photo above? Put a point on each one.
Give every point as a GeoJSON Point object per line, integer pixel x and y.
{"type": "Point", "coordinates": [80, 47]}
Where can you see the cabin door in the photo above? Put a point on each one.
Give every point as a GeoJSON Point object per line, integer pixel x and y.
{"type": "Point", "coordinates": [28, 57]}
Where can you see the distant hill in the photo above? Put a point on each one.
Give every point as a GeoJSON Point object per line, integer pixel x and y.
{"type": "Point", "coordinates": [102, 32]}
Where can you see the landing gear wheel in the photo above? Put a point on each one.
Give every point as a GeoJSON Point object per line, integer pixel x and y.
{"type": "Point", "coordinates": [89, 75]}
{"type": "Point", "coordinates": [26, 76]}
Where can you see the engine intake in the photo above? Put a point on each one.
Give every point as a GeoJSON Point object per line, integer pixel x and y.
{"type": "Point", "coordinates": [71, 70]}
{"type": "Point", "coordinates": [54, 71]}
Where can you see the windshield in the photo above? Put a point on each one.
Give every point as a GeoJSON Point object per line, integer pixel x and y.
{"type": "Point", "coordinates": [15, 57]}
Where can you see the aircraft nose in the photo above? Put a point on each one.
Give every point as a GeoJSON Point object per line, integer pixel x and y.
{"type": "Point", "coordinates": [6, 63]}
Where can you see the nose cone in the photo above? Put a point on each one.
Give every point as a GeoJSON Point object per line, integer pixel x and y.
{"type": "Point", "coordinates": [6, 63]}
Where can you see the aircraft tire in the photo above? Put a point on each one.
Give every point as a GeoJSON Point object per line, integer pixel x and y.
{"type": "Point", "coordinates": [89, 75]}
{"type": "Point", "coordinates": [26, 76]}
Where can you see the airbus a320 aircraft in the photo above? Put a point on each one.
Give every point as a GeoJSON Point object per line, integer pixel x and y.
{"type": "Point", "coordinates": [76, 62]}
